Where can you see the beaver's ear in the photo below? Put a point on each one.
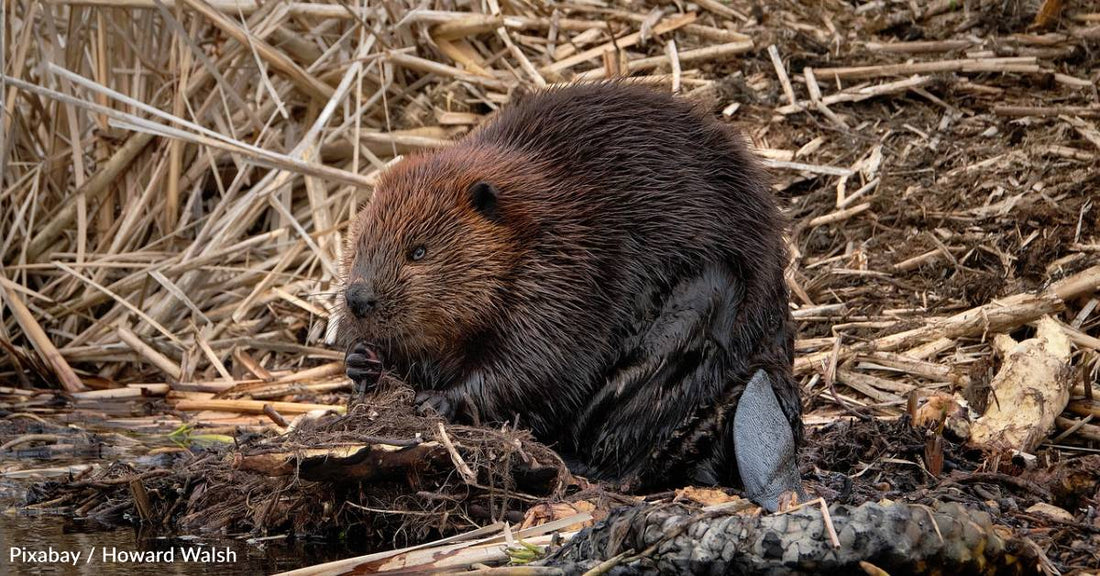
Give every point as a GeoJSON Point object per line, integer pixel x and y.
{"type": "Point", "coordinates": [483, 197]}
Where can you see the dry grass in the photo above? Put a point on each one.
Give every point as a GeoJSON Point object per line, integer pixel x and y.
{"type": "Point", "coordinates": [178, 177]}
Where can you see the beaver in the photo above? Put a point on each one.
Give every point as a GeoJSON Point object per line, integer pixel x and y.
{"type": "Point", "coordinates": [602, 264]}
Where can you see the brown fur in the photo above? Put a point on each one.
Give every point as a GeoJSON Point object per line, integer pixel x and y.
{"type": "Point", "coordinates": [616, 207]}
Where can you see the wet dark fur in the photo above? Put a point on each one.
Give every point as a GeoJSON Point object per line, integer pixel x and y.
{"type": "Point", "coordinates": [618, 295]}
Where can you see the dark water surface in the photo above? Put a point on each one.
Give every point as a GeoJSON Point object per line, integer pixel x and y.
{"type": "Point", "coordinates": [23, 535]}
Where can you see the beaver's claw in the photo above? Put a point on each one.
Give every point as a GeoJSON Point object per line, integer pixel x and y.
{"type": "Point", "coordinates": [429, 402]}
{"type": "Point", "coordinates": [363, 367]}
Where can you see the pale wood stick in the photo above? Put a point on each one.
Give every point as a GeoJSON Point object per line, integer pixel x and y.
{"type": "Point", "coordinates": [460, 56]}
{"type": "Point", "coordinates": [993, 317]}
{"type": "Point", "coordinates": [575, 25]}
{"type": "Point", "coordinates": [674, 59]}
{"type": "Point", "coordinates": [179, 294]}
{"type": "Point", "coordinates": [321, 378]}
{"type": "Point", "coordinates": [919, 47]}
{"type": "Point", "coordinates": [252, 406]}
{"type": "Point", "coordinates": [1091, 33]}
{"type": "Point", "coordinates": [858, 193]}
{"type": "Point", "coordinates": [781, 72]}
{"type": "Point", "coordinates": [1068, 80]}
{"type": "Point", "coordinates": [211, 356]}
{"type": "Point", "coordinates": [246, 360]}
{"type": "Point", "coordinates": [404, 142]}
{"type": "Point", "coordinates": [1022, 64]}
{"type": "Point", "coordinates": [811, 86]}
{"type": "Point", "coordinates": [131, 391]}
{"type": "Point", "coordinates": [1080, 338]}
{"type": "Point", "coordinates": [1047, 111]}
{"type": "Point", "coordinates": [619, 44]}
{"type": "Point", "coordinates": [460, 465]}
{"type": "Point", "coordinates": [578, 42]}
{"type": "Point", "coordinates": [839, 215]}
{"type": "Point", "coordinates": [323, 371]}
{"type": "Point", "coordinates": [304, 50]}
{"type": "Point", "coordinates": [1080, 427]}
{"type": "Point", "coordinates": [147, 352]}
{"type": "Point", "coordinates": [425, 65]}
{"type": "Point", "coordinates": [709, 53]}
{"type": "Point", "coordinates": [862, 93]}
{"type": "Point", "coordinates": [930, 349]}
{"type": "Point", "coordinates": [909, 365]}
{"type": "Point", "coordinates": [9, 391]}
{"type": "Point", "coordinates": [268, 390]}
{"type": "Point", "coordinates": [1086, 130]}
{"type": "Point", "coordinates": [815, 98]}
{"type": "Point", "coordinates": [813, 168]}
{"type": "Point", "coordinates": [69, 471]}
{"type": "Point", "coordinates": [518, 54]}
{"type": "Point", "coordinates": [459, 119]}
{"type": "Point", "coordinates": [314, 310]}
{"type": "Point", "coordinates": [600, 14]}
{"type": "Point", "coordinates": [919, 260]}
{"type": "Point", "coordinates": [468, 25]}
{"type": "Point", "coordinates": [878, 389]}
{"type": "Point", "coordinates": [1079, 284]}
{"type": "Point", "coordinates": [41, 342]}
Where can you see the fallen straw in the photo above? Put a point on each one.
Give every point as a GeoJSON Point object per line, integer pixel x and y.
{"type": "Point", "coordinates": [65, 374]}
{"type": "Point", "coordinates": [1022, 64]}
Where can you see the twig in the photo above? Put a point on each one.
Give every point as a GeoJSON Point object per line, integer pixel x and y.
{"type": "Point", "coordinates": [65, 374]}
{"type": "Point", "coordinates": [1021, 64]}
{"type": "Point", "coordinates": [468, 475]}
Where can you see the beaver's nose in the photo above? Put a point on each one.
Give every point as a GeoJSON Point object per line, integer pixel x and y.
{"type": "Point", "coordinates": [361, 300]}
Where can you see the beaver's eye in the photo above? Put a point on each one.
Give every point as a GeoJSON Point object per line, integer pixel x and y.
{"type": "Point", "coordinates": [418, 253]}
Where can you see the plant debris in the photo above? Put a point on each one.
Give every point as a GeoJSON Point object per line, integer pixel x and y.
{"type": "Point", "coordinates": [177, 179]}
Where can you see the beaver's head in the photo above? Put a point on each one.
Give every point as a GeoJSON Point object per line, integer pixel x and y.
{"type": "Point", "coordinates": [431, 253]}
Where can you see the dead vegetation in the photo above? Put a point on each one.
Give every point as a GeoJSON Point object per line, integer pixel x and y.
{"type": "Point", "coordinates": [377, 474]}
{"type": "Point", "coordinates": [177, 179]}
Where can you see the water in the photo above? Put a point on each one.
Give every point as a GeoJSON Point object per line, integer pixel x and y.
{"type": "Point", "coordinates": [21, 535]}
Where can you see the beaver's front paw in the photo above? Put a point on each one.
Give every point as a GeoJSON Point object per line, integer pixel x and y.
{"type": "Point", "coordinates": [440, 403]}
{"type": "Point", "coordinates": [363, 367]}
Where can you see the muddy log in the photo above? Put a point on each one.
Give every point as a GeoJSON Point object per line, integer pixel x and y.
{"type": "Point", "coordinates": [898, 538]}
{"type": "Point", "coordinates": [347, 463]}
